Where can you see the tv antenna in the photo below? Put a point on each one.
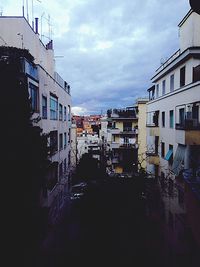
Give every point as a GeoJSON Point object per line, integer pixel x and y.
{"type": "Point", "coordinates": [33, 12]}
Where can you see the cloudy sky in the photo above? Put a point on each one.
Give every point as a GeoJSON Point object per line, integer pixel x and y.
{"type": "Point", "coordinates": [107, 50]}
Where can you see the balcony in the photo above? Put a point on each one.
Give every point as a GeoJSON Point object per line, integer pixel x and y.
{"type": "Point", "coordinates": [128, 146]}
{"type": "Point", "coordinates": [114, 145]}
{"type": "Point", "coordinates": [188, 124]}
{"type": "Point", "coordinates": [152, 158]}
{"type": "Point", "coordinates": [128, 130]}
{"type": "Point", "coordinates": [121, 114]}
{"type": "Point", "coordinates": [188, 137]}
{"type": "Point", "coordinates": [114, 131]}
{"type": "Point", "coordinates": [188, 132]}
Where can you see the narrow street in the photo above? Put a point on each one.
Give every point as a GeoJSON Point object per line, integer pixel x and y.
{"type": "Point", "coordinates": [110, 226]}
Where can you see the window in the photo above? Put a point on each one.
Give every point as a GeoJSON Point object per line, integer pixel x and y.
{"type": "Point", "coordinates": [52, 175]}
{"type": "Point", "coordinates": [65, 165]}
{"type": "Point", "coordinates": [65, 113]}
{"type": "Point", "coordinates": [60, 170]}
{"type": "Point", "coordinates": [171, 119]}
{"type": "Point", "coordinates": [162, 149]}
{"type": "Point", "coordinates": [171, 157]}
{"type": "Point", "coordinates": [53, 108]}
{"type": "Point", "coordinates": [60, 141]}
{"type": "Point", "coordinates": [60, 112]}
{"type": "Point", "coordinates": [53, 141]}
{"type": "Point", "coordinates": [127, 126]}
{"type": "Point", "coordinates": [69, 113]}
{"type": "Point", "coordinates": [196, 74]}
{"type": "Point", "coordinates": [156, 144]}
{"type": "Point", "coordinates": [34, 97]}
{"type": "Point", "coordinates": [157, 90]}
{"type": "Point", "coordinates": [172, 83]}
{"type": "Point", "coordinates": [65, 140]}
{"type": "Point", "coordinates": [182, 76]}
{"type": "Point", "coordinates": [69, 158]}
{"type": "Point", "coordinates": [69, 136]}
{"type": "Point", "coordinates": [44, 107]}
{"type": "Point", "coordinates": [181, 116]}
{"type": "Point", "coordinates": [163, 119]}
{"type": "Point", "coordinates": [163, 87]}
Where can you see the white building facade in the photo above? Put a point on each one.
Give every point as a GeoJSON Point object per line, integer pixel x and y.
{"type": "Point", "coordinates": [50, 101]}
{"type": "Point", "coordinates": [173, 113]}
{"type": "Point", "coordinates": [173, 126]}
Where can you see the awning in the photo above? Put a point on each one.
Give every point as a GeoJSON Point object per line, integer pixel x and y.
{"type": "Point", "coordinates": [169, 154]}
{"type": "Point", "coordinates": [178, 161]}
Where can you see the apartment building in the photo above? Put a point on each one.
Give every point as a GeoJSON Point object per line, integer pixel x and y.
{"type": "Point", "coordinates": [173, 120]}
{"type": "Point", "coordinates": [50, 102]}
{"type": "Point", "coordinates": [123, 134]}
{"type": "Point", "coordinates": [122, 140]}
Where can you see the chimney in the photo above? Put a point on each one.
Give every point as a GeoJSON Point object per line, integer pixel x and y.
{"type": "Point", "coordinates": [36, 25]}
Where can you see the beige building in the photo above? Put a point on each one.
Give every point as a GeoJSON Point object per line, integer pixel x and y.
{"type": "Point", "coordinates": [51, 104]}
{"type": "Point", "coordinates": [142, 146]}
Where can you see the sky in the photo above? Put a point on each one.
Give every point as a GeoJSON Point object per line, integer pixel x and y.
{"type": "Point", "coordinates": [107, 50]}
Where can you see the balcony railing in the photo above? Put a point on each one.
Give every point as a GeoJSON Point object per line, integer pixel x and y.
{"type": "Point", "coordinates": [128, 145]}
{"type": "Point", "coordinates": [188, 124]}
{"type": "Point", "coordinates": [130, 130]}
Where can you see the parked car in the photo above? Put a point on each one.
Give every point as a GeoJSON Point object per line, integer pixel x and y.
{"type": "Point", "coordinates": [78, 190]}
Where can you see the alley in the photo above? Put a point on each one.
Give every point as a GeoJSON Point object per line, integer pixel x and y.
{"type": "Point", "coordinates": [110, 227]}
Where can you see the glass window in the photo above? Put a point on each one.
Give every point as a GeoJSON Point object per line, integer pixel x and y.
{"type": "Point", "coordinates": [60, 112]}
{"type": "Point", "coordinates": [69, 113]}
{"type": "Point", "coordinates": [44, 107]}
{"type": "Point", "coordinates": [34, 96]}
{"type": "Point", "coordinates": [65, 113]}
{"type": "Point", "coordinates": [163, 87]}
{"type": "Point", "coordinates": [171, 119]}
{"type": "Point", "coordinates": [171, 158]}
{"type": "Point", "coordinates": [53, 108]}
{"type": "Point", "coordinates": [65, 140]}
{"type": "Point", "coordinates": [182, 76]}
{"type": "Point", "coordinates": [157, 90]}
{"type": "Point", "coordinates": [61, 141]}
{"type": "Point", "coordinates": [60, 170]}
{"type": "Point", "coordinates": [162, 149]}
{"type": "Point", "coordinates": [163, 119]}
{"type": "Point", "coordinates": [53, 141]}
{"type": "Point", "coordinates": [172, 83]}
{"type": "Point", "coordinates": [181, 116]}
{"type": "Point", "coordinates": [196, 74]}
{"type": "Point", "coordinates": [65, 165]}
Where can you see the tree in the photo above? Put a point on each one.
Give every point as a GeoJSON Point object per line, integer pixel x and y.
{"type": "Point", "coordinates": [25, 154]}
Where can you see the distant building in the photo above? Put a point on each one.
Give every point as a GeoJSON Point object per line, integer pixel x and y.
{"type": "Point", "coordinates": [122, 140]}
{"type": "Point", "coordinates": [87, 124]}
{"type": "Point", "coordinates": [123, 135]}
{"type": "Point", "coordinates": [50, 101]}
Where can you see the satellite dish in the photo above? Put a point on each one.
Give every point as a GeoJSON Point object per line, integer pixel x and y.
{"type": "Point", "coordinates": [195, 5]}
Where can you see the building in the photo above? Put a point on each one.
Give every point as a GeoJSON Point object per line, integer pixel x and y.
{"type": "Point", "coordinates": [142, 146]}
{"type": "Point", "coordinates": [122, 140]}
{"type": "Point", "coordinates": [123, 135]}
{"type": "Point", "coordinates": [50, 101]}
{"type": "Point", "coordinates": [173, 121]}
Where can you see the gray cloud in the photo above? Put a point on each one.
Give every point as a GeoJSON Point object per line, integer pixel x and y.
{"type": "Point", "coordinates": [111, 48]}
